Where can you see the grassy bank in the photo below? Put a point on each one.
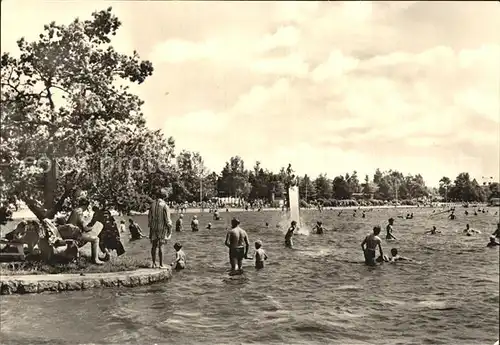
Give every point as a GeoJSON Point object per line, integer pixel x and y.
{"type": "Point", "coordinates": [82, 266]}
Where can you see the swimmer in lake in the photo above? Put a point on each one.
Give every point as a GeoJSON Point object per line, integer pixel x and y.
{"type": "Point", "coordinates": [319, 228]}
{"type": "Point", "coordinates": [289, 234]}
{"type": "Point", "coordinates": [389, 229]}
{"type": "Point", "coordinates": [180, 257]}
{"type": "Point", "coordinates": [433, 231]}
{"type": "Point", "coordinates": [363, 215]}
{"type": "Point", "coordinates": [209, 226]}
{"type": "Point", "coordinates": [469, 231]}
{"type": "Point", "coordinates": [195, 224]}
{"type": "Point", "coordinates": [372, 241]}
{"type": "Point", "coordinates": [396, 257]}
{"type": "Point", "coordinates": [452, 216]}
{"type": "Point", "coordinates": [493, 242]}
{"type": "Point", "coordinates": [237, 242]}
{"type": "Point", "coordinates": [497, 231]}
{"type": "Point", "coordinates": [260, 255]}
{"type": "Point", "coordinates": [179, 224]}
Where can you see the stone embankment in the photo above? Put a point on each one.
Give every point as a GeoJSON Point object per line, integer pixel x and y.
{"type": "Point", "coordinates": [24, 284]}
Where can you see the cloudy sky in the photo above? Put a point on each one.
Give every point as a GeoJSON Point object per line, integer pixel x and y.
{"type": "Point", "coordinates": [328, 87]}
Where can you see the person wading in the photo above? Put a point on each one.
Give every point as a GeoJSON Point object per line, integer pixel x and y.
{"type": "Point", "coordinates": [238, 244]}
{"type": "Point", "coordinates": [160, 226]}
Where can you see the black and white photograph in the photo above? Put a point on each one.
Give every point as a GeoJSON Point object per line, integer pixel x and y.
{"type": "Point", "coordinates": [249, 172]}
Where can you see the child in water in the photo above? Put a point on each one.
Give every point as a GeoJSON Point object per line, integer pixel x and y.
{"type": "Point", "coordinates": [493, 242]}
{"type": "Point", "coordinates": [195, 224]}
{"type": "Point", "coordinates": [179, 225]}
{"type": "Point", "coordinates": [395, 256]}
{"type": "Point", "coordinates": [122, 226]}
{"type": "Point", "coordinates": [319, 228]}
{"type": "Point", "coordinates": [260, 255]}
{"type": "Point", "coordinates": [289, 234]}
{"type": "Point", "coordinates": [180, 257]}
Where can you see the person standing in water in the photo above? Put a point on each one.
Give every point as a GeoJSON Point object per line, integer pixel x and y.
{"type": "Point", "coordinates": [289, 234]}
{"type": "Point", "coordinates": [195, 224]}
{"type": "Point", "coordinates": [260, 255]}
{"type": "Point", "coordinates": [372, 241]}
{"type": "Point", "coordinates": [180, 257]}
{"type": "Point", "coordinates": [160, 226]}
{"type": "Point", "coordinates": [238, 244]}
{"type": "Point", "coordinates": [389, 229]}
{"type": "Point", "coordinates": [179, 224]}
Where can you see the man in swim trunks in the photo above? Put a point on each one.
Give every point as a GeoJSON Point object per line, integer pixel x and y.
{"type": "Point", "coordinates": [238, 244]}
{"type": "Point", "coordinates": [389, 235]}
{"type": "Point", "coordinates": [372, 241]}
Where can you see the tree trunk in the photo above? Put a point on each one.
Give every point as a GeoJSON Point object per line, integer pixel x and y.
{"type": "Point", "coordinates": [50, 185]}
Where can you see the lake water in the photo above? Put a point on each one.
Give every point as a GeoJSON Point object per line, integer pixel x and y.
{"type": "Point", "coordinates": [317, 293]}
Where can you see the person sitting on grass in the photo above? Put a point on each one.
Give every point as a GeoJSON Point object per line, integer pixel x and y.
{"type": "Point", "coordinates": [135, 230]}
{"type": "Point", "coordinates": [160, 226]}
{"type": "Point", "coordinates": [180, 257]}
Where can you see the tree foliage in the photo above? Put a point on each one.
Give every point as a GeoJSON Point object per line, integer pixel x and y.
{"type": "Point", "coordinates": [66, 106]}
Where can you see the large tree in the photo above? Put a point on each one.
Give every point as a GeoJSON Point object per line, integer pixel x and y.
{"type": "Point", "coordinates": [192, 175]}
{"type": "Point", "coordinates": [323, 187]}
{"type": "Point", "coordinates": [65, 104]}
